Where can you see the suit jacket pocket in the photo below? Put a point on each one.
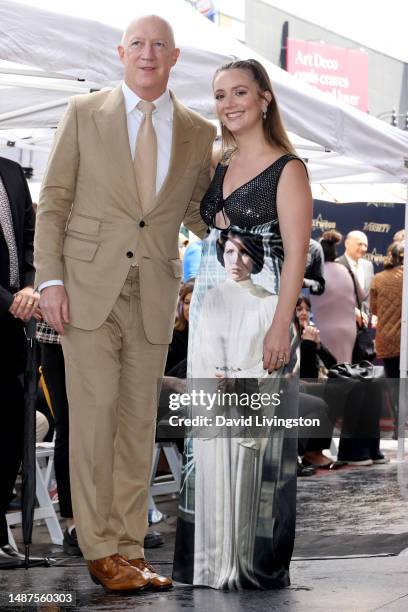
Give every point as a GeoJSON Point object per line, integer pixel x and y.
{"type": "Point", "coordinates": [84, 225]}
{"type": "Point", "coordinates": [177, 267]}
{"type": "Point", "coordinates": [79, 249]}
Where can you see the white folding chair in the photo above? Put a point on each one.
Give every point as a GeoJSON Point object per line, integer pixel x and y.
{"type": "Point", "coordinates": [168, 483]}
{"type": "Point", "coordinates": [45, 510]}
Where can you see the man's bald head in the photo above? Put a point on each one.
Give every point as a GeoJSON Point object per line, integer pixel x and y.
{"type": "Point", "coordinates": [356, 244]}
{"type": "Point", "coordinates": [357, 235]}
{"type": "Point", "coordinates": [148, 54]}
{"type": "Point", "coordinates": [140, 22]}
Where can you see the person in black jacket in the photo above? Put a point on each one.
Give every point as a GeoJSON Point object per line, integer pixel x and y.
{"type": "Point", "coordinates": [313, 352]}
{"type": "Point", "coordinates": [18, 303]}
{"type": "Point", "coordinates": [360, 433]}
{"type": "Point", "coordinates": [314, 271]}
{"type": "Point", "coordinates": [313, 355]}
{"type": "Point", "coordinates": [176, 364]}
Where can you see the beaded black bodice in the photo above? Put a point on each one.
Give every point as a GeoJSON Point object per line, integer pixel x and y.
{"type": "Point", "coordinates": [253, 203]}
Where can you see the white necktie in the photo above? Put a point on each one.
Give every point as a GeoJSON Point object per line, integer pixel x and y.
{"type": "Point", "coordinates": [145, 159]}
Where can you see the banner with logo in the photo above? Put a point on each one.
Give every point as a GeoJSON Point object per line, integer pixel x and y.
{"type": "Point", "coordinates": [377, 220]}
{"type": "Point", "coordinates": [341, 72]}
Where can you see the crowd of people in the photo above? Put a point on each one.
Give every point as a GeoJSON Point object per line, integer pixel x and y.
{"type": "Point", "coordinates": [128, 166]}
{"type": "Point", "coordinates": [329, 314]}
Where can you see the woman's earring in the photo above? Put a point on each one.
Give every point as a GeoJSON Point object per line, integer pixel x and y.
{"type": "Point", "coordinates": [264, 113]}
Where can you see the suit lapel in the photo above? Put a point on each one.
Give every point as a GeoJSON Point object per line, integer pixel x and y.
{"type": "Point", "coordinates": [183, 129]}
{"type": "Point", "coordinates": [111, 123]}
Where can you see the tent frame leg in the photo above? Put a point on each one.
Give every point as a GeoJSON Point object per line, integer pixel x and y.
{"type": "Point", "coordinates": [402, 407]}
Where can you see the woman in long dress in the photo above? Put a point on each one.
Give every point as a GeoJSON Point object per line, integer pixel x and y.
{"type": "Point", "coordinates": [237, 503]}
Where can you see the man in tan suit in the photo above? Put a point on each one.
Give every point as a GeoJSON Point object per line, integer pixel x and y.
{"type": "Point", "coordinates": [108, 271]}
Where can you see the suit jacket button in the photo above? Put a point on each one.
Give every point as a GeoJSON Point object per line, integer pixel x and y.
{"type": "Point", "coordinates": [142, 224]}
{"type": "Point", "coordinates": [129, 254]}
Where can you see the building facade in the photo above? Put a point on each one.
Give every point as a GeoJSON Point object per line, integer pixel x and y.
{"type": "Point", "coordinates": [266, 28]}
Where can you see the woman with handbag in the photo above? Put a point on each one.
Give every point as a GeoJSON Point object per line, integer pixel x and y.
{"type": "Point", "coordinates": [357, 400]}
{"type": "Point", "coordinates": [334, 310]}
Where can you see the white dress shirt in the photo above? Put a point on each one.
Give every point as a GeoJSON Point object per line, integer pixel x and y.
{"type": "Point", "coordinates": [358, 270]}
{"type": "Point", "coordinates": [162, 118]}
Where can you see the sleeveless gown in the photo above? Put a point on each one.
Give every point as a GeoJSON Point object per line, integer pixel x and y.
{"type": "Point", "coordinates": [237, 507]}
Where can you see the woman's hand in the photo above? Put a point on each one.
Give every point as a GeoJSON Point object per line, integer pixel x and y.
{"type": "Point", "coordinates": [311, 333]}
{"type": "Point", "coordinates": [25, 304]}
{"type": "Point", "coordinates": [276, 347]}
{"type": "Point", "coordinates": [38, 314]}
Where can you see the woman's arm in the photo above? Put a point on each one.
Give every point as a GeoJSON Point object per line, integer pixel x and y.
{"type": "Point", "coordinates": [326, 356]}
{"type": "Point", "coordinates": [6, 300]}
{"type": "Point", "coordinates": [308, 359]}
{"type": "Point", "coordinates": [295, 206]}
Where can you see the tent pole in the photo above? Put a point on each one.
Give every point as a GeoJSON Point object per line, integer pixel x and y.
{"type": "Point", "coordinates": [402, 404]}
{"type": "Point", "coordinates": [62, 88]}
{"type": "Point", "coordinates": [22, 144]}
{"type": "Point", "coordinates": [41, 74]}
{"type": "Point", "coordinates": [21, 112]}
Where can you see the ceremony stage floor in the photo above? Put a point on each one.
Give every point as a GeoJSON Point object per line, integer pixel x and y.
{"type": "Point", "coordinates": [351, 554]}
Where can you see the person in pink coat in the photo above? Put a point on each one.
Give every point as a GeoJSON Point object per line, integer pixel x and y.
{"type": "Point", "coordinates": [334, 310]}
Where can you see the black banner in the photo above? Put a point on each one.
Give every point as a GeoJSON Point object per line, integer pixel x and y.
{"type": "Point", "coordinates": [377, 220]}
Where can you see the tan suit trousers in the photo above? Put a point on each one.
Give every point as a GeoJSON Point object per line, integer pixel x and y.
{"type": "Point", "coordinates": [112, 379]}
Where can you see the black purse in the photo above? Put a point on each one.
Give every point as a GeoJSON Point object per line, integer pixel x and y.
{"type": "Point", "coordinates": [364, 371]}
{"type": "Point", "coordinates": [364, 348]}
{"type": "Point", "coordinates": [355, 392]}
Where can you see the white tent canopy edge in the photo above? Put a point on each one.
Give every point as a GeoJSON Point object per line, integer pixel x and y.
{"type": "Point", "coordinates": [85, 49]}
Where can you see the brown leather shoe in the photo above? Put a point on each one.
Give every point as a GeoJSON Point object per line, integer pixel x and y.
{"type": "Point", "coordinates": [116, 574]}
{"type": "Point", "coordinates": [157, 582]}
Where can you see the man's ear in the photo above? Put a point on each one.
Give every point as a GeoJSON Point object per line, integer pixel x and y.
{"type": "Point", "coordinates": [121, 52]}
{"type": "Point", "coordinates": [175, 56]}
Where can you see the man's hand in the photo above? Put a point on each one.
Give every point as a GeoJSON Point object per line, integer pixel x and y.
{"type": "Point", "coordinates": [55, 307]}
{"type": "Point", "coordinates": [25, 304]}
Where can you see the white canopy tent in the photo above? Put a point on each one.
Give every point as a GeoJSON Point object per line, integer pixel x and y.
{"type": "Point", "coordinates": [61, 53]}
{"type": "Point", "coordinates": [62, 43]}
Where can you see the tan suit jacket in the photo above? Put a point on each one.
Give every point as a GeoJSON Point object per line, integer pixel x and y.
{"type": "Point", "coordinates": [90, 226]}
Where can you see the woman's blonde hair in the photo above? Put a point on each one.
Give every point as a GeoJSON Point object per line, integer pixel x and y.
{"type": "Point", "coordinates": [274, 131]}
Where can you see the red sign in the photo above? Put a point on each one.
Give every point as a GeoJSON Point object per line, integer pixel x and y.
{"type": "Point", "coordinates": [341, 72]}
